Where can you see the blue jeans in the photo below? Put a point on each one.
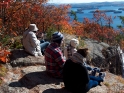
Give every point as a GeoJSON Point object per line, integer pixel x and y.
{"type": "Point", "coordinates": [94, 81]}
{"type": "Point", "coordinates": [43, 45]}
{"type": "Point", "coordinates": [91, 68]}
{"type": "Point", "coordinates": [98, 79]}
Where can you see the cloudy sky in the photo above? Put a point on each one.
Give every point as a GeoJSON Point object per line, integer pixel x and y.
{"type": "Point", "coordinates": [79, 1]}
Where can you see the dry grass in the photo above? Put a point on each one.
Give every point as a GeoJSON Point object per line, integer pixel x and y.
{"type": "Point", "coordinates": [106, 84]}
{"type": "Point", "coordinates": [120, 79]}
{"type": "Point", "coordinates": [114, 83]}
{"type": "Point", "coordinates": [3, 72]}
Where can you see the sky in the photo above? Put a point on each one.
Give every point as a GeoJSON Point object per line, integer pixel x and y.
{"type": "Point", "coordinates": [80, 1]}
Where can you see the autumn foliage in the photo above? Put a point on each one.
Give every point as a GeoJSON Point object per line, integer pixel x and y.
{"type": "Point", "coordinates": [16, 15]}
{"type": "Point", "coordinates": [99, 28]}
{"type": "Point", "coordinates": [4, 55]}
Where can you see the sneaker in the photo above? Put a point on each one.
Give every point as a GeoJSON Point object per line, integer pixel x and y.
{"type": "Point", "coordinates": [102, 75]}
{"type": "Point", "coordinates": [97, 69]}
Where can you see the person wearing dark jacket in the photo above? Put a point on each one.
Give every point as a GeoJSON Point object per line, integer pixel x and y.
{"type": "Point", "coordinates": [75, 74]}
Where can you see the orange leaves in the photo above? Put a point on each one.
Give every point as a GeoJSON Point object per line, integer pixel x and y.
{"type": "Point", "coordinates": [48, 17]}
{"type": "Point", "coordinates": [92, 29]}
{"type": "Point", "coordinates": [4, 55]}
{"type": "Point", "coordinates": [78, 28]}
{"type": "Point", "coordinates": [21, 14]}
{"type": "Point", "coordinates": [15, 34]}
{"type": "Point", "coordinates": [3, 59]}
{"type": "Point", "coordinates": [66, 27]}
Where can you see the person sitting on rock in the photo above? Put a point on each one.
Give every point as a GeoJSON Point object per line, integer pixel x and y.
{"type": "Point", "coordinates": [71, 48]}
{"type": "Point", "coordinates": [30, 42]}
{"type": "Point", "coordinates": [54, 58]}
{"type": "Point", "coordinates": [75, 74]}
{"type": "Point", "coordinates": [93, 70]}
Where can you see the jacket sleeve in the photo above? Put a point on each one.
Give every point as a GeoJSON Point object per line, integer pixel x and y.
{"type": "Point", "coordinates": [33, 39]}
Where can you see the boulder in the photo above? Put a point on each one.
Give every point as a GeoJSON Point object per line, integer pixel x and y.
{"type": "Point", "coordinates": [33, 79]}
{"type": "Point", "coordinates": [19, 57]}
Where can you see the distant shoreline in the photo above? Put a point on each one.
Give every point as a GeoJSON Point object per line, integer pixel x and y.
{"type": "Point", "coordinates": [112, 12]}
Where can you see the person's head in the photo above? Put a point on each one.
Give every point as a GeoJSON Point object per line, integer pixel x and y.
{"type": "Point", "coordinates": [33, 28]}
{"type": "Point", "coordinates": [74, 42]}
{"type": "Point", "coordinates": [84, 52]}
{"type": "Point", "coordinates": [57, 37]}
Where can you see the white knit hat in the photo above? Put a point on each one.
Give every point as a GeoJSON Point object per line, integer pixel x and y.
{"type": "Point", "coordinates": [33, 27]}
{"type": "Point", "coordinates": [74, 42]}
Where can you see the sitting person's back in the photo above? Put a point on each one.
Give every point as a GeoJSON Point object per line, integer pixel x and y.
{"type": "Point", "coordinates": [75, 74]}
{"type": "Point", "coordinates": [53, 56]}
{"type": "Point", "coordinates": [75, 77]}
{"type": "Point", "coordinates": [30, 41]}
{"type": "Point", "coordinates": [71, 48]}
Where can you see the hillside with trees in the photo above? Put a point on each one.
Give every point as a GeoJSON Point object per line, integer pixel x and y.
{"type": "Point", "coordinates": [16, 15]}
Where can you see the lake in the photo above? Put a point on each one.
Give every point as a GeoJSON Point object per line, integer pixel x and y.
{"type": "Point", "coordinates": [89, 15]}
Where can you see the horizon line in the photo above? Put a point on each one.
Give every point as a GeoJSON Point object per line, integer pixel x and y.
{"type": "Point", "coordinates": [84, 2]}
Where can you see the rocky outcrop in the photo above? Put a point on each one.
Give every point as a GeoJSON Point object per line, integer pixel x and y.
{"type": "Point", "coordinates": [33, 79]}
{"type": "Point", "coordinates": [27, 74]}
{"type": "Point", "coordinates": [21, 58]}
{"type": "Point", "coordinates": [102, 55]}
{"type": "Point", "coordinates": [95, 49]}
{"type": "Point", "coordinates": [109, 59]}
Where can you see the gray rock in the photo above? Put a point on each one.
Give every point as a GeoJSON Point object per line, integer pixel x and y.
{"type": "Point", "coordinates": [95, 48]}
{"type": "Point", "coordinates": [33, 79]}
{"type": "Point", "coordinates": [21, 58]}
{"type": "Point", "coordinates": [28, 73]}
